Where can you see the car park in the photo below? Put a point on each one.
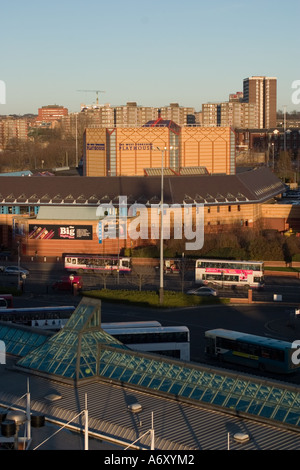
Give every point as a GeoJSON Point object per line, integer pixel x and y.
{"type": "Point", "coordinates": [203, 291]}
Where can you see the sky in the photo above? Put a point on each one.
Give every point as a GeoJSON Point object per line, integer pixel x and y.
{"type": "Point", "coordinates": [154, 53]}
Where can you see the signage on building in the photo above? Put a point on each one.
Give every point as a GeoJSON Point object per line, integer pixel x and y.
{"type": "Point", "coordinates": [60, 232]}
{"type": "Point", "coordinates": [95, 146]}
{"type": "Point", "coordinates": [136, 146]}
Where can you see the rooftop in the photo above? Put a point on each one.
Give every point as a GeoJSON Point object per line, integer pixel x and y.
{"type": "Point", "coordinates": [194, 406]}
{"type": "Point", "coordinates": [257, 185]}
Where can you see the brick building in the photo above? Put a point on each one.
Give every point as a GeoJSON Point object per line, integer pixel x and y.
{"type": "Point", "coordinates": [60, 215]}
{"type": "Point", "coordinates": [50, 113]}
{"type": "Point", "coordinates": [131, 151]}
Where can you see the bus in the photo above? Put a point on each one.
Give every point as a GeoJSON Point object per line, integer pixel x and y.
{"type": "Point", "coordinates": [266, 354]}
{"type": "Point", "coordinates": [172, 341]}
{"type": "Point", "coordinates": [95, 263]}
{"type": "Point", "coordinates": [229, 273]}
{"type": "Point", "coordinates": [129, 324]}
{"type": "Point", "coordinates": [47, 318]}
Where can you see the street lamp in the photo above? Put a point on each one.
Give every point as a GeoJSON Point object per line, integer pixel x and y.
{"type": "Point", "coordinates": [19, 283]}
{"type": "Point", "coordinates": [161, 249]}
{"type": "Point", "coordinates": [76, 140]}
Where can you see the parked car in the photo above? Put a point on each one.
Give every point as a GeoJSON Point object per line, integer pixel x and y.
{"type": "Point", "coordinates": [66, 283]}
{"type": "Point", "coordinates": [203, 291]}
{"type": "Point", "coordinates": [15, 270]}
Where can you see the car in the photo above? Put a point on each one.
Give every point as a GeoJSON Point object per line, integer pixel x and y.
{"type": "Point", "coordinates": [67, 283]}
{"type": "Point", "coordinates": [203, 291]}
{"type": "Point", "coordinates": [16, 270]}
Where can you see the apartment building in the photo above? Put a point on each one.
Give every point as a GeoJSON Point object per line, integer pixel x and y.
{"type": "Point", "coordinates": [50, 113]}
{"type": "Point", "coordinates": [254, 108]}
{"type": "Point", "coordinates": [13, 129]}
{"type": "Point", "coordinates": [133, 115]}
{"type": "Point", "coordinates": [262, 91]}
{"type": "Point", "coordinates": [231, 113]}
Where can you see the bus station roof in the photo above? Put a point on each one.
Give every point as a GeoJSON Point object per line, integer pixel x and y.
{"type": "Point", "coordinates": [83, 355]}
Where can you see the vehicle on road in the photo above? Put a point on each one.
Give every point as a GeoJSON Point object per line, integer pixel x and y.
{"type": "Point", "coordinates": [203, 291]}
{"type": "Point", "coordinates": [171, 341]}
{"type": "Point", "coordinates": [217, 272]}
{"type": "Point", "coordinates": [15, 270]}
{"type": "Point", "coordinates": [67, 283]}
{"type": "Point", "coordinates": [264, 353]}
{"type": "Point", "coordinates": [47, 318]}
{"type": "Point", "coordinates": [81, 263]}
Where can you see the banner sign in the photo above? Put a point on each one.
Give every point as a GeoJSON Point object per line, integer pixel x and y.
{"type": "Point", "coordinates": [60, 232]}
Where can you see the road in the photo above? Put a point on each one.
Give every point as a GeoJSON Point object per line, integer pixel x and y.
{"type": "Point", "coordinates": [42, 276]}
{"type": "Point", "coordinates": [266, 319]}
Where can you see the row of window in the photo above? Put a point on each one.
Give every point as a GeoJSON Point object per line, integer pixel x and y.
{"type": "Point", "coordinates": [20, 210]}
{"type": "Point", "coordinates": [241, 222]}
{"type": "Point", "coordinates": [252, 349]}
{"type": "Point", "coordinates": [229, 208]}
{"type": "Point", "coordinates": [145, 338]}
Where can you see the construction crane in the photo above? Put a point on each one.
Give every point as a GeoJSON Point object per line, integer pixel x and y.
{"type": "Point", "coordinates": [93, 91]}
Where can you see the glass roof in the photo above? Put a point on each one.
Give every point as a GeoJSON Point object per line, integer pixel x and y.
{"type": "Point", "coordinates": [82, 349]}
{"type": "Point", "coordinates": [20, 341]}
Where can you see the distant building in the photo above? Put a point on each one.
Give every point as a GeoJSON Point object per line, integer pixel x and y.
{"type": "Point", "coordinates": [50, 113]}
{"type": "Point", "coordinates": [254, 108]}
{"type": "Point", "coordinates": [262, 91]}
{"type": "Point", "coordinates": [12, 129]}
{"type": "Point", "coordinates": [231, 113]}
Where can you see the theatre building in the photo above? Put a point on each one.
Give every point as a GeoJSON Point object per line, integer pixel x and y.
{"type": "Point", "coordinates": [61, 214]}
{"type": "Point", "coordinates": [131, 151]}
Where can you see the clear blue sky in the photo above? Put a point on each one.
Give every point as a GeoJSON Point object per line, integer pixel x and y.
{"type": "Point", "coordinates": [152, 52]}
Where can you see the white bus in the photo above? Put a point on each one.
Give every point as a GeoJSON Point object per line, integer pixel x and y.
{"type": "Point", "coordinates": [129, 324]}
{"type": "Point", "coordinates": [95, 263]}
{"type": "Point", "coordinates": [172, 341]}
{"type": "Point", "coordinates": [229, 273]}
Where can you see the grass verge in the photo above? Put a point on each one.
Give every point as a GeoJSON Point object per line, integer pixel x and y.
{"type": "Point", "coordinates": [282, 268]}
{"type": "Point", "coordinates": [151, 298]}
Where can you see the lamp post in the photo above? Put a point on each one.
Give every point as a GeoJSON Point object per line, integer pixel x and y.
{"type": "Point", "coordinates": [76, 141]}
{"type": "Point", "coordinates": [19, 283]}
{"type": "Point", "coordinates": [161, 249]}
